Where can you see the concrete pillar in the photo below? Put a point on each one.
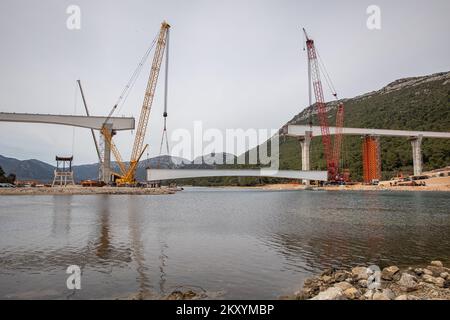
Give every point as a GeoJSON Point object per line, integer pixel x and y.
{"type": "Point", "coordinates": [416, 143]}
{"type": "Point", "coordinates": [305, 142]}
{"type": "Point", "coordinates": [106, 167]}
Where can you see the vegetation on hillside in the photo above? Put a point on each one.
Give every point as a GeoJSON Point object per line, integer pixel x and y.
{"type": "Point", "coordinates": [10, 178]}
{"type": "Point", "coordinates": [421, 103]}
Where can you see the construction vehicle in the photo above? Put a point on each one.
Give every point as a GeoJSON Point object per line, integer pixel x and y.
{"type": "Point", "coordinates": [127, 175]}
{"type": "Point", "coordinates": [332, 152]}
{"type": "Point", "coordinates": [92, 183]}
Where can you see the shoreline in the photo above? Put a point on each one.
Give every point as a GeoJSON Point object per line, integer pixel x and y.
{"type": "Point", "coordinates": [370, 283]}
{"type": "Point", "coordinates": [435, 184]}
{"type": "Point", "coordinates": [78, 190]}
{"type": "Point", "coordinates": [359, 187]}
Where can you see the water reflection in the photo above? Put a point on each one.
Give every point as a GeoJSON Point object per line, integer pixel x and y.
{"type": "Point", "coordinates": [103, 244]}
{"type": "Point", "coordinates": [249, 244]}
{"type": "Point", "coordinates": [379, 230]}
{"type": "Point", "coordinates": [135, 223]}
{"type": "Point", "coordinates": [163, 258]}
{"type": "Point", "coordinates": [61, 215]}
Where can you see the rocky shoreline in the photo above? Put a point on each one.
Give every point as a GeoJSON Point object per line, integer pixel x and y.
{"type": "Point", "coordinates": [370, 283]}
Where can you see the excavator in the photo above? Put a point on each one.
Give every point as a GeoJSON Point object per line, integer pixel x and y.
{"type": "Point", "coordinates": [127, 175]}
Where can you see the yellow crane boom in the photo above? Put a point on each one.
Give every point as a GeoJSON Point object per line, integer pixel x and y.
{"type": "Point", "coordinates": [128, 174]}
{"type": "Point", "coordinates": [150, 92]}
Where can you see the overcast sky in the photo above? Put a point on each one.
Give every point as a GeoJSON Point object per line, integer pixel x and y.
{"type": "Point", "coordinates": [233, 64]}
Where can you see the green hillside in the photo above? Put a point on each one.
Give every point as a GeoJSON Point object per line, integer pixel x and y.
{"type": "Point", "coordinates": [420, 103]}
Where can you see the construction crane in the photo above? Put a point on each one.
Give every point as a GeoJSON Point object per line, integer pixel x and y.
{"type": "Point", "coordinates": [127, 175]}
{"type": "Point", "coordinates": [332, 152]}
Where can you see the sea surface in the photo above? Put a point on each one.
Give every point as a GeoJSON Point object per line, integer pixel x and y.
{"type": "Point", "coordinates": [228, 242]}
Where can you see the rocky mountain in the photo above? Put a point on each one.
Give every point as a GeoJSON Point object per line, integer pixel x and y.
{"type": "Point", "coordinates": [37, 170]}
{"type": "Point", "coordinates": [27, 169]}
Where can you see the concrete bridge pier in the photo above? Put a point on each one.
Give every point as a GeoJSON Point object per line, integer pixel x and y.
{"type": "Point", "coordinates": [305, 142]}
{"type": "Point", "coordinates": [106, 164]}
{"type": "Point", "coordinates": [416, 143]}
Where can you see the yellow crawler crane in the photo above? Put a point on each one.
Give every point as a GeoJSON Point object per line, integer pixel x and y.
{"type": "Point", "coordinates": [127, 176]}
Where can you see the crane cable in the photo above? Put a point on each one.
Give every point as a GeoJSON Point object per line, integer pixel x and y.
{"type": "Point", "coordinates": [326, 76]}
{"type": "Point", "coordinates": [131, 82]}
{"type": "Point", "coordinates": [166, 88]}
{"type": "Point", "coordinates": [75, 102]}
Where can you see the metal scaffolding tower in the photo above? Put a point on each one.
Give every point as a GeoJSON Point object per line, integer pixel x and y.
{"type": "Point", "coordinates": [63, 172]}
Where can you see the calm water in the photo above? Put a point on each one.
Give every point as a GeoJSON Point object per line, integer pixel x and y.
{"type": "Point", "coordinates": [234, 243]}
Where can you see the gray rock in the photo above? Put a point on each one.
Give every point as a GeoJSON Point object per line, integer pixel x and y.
{"type": "Point", "coordinates": [439, 282]}
{"type": "Point", "coordinates": [427, 272]}
{"type": "Point", "coordinates": [352, 293]}
{"type": "Point", "coordinates": [444, 275]}
{"type": "Point", "coordinates": [360, 273]}
{"type": "Point", "coordinates": [302, 295]}
{"type": "Point", "coordinates": [428, 278]}
{"type": "Point", "coordinates": [436, 270]}
{"type": "Point", "coordinates": [447, 283]}
{"type": "Point", "coordinates": [434, 293]}
{"type": "Point", "coordinates": [328, 272]}
{"type": "Point", "coordinates": [407, 282]}
{"type": "Point", "coordinates": [331, 293]}
{"type": "Point", "coordinates": [436, 263]}
{"type": "Point", "coordinates": [389, 293]}
{"type": "Point", "coordinates": [418, 271]}
{"type": "Point", "coordinates": [389, 272]}
{"type": "Point", "coordinates": [340, 276]}
{"type": "Point", "coordinates": [343, 285]}
{"type": "Point", "coordinates": [380, 296]}
{"type": "Point", "coordinates": [368, 295]}
{"type": "Point", "coordinates": [363, 283]}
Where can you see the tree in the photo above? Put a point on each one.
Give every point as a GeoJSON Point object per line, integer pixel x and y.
{"type": "Point", "coordinates": [11, 178]}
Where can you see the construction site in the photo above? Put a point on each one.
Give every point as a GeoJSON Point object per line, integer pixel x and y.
{"type": "Point", "coordinates": [224, 150]}
{"type": "Point", "coordinates": [124, 172]}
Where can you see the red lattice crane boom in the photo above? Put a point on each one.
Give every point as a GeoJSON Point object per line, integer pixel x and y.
{"type": "Point", "coordinates": [332, 152]}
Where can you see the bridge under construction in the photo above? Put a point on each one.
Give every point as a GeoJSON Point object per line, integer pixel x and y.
{"type": "Point", "coordinates": [109, 125]}
{"type": "Point", "coordinates": [371, 154]}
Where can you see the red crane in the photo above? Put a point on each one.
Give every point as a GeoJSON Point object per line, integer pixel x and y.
{"type": "Point", "coordinates": [332, 152]}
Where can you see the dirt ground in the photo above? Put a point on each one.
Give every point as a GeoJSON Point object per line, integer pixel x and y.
{"type": "Point", "coordinates": [432, 184]}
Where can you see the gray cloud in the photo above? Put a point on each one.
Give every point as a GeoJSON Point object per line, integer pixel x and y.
{"type": "Point", "coordinates": [234, 64]}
